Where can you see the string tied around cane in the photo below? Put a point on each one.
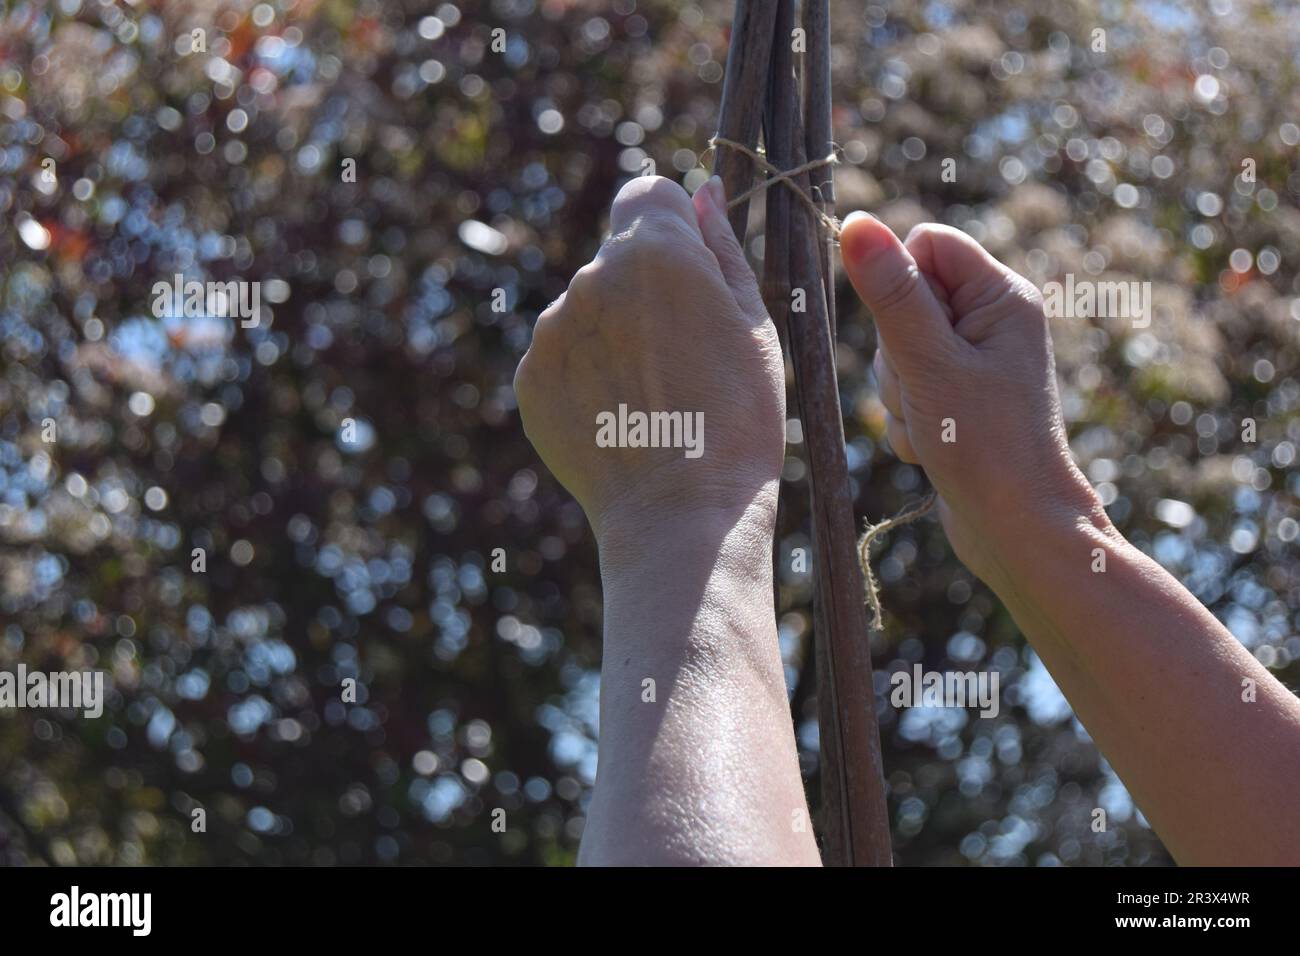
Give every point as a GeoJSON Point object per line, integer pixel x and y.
{"type": "Point", "coordinates": [831, 226]}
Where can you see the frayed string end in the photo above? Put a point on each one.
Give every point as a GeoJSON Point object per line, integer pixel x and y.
{"type": "Point", "coordinates": [873, 531]}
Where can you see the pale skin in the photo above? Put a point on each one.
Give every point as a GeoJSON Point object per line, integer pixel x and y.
{"type": "Point", "coordinates": [668, 316]}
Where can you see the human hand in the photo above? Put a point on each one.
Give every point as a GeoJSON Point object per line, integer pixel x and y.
{"type": "Point", "coordinates": [968, 381]}
{"type": "Point", "coordinates": [666, 318]}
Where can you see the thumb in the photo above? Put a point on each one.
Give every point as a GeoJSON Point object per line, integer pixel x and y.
{"type": "Point", "coordinates": [910, 320]}
{"type": "Point", "coordinates": [711, 213]}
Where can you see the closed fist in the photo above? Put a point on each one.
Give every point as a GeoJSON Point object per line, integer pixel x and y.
{"type": "Point", "coordinates": [654, 387]}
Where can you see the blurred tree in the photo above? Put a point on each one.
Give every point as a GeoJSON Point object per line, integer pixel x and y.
{"type": "Point", "coordinates": [351, 466]}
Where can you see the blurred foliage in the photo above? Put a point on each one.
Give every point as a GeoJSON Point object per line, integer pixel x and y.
{"type": "Point", "coordinates": [481, 169]}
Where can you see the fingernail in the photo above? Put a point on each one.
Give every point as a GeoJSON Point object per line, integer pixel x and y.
{"type": "Point", "coordinates": [717, 193]}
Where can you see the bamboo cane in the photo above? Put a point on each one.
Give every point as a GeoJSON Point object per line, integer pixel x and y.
{"type": "Point", "coordinates": [744, 88]}
{"type": "Point", "coordinates": [820, 139]}
{"type": "Point", "coordinates": [854, 819]}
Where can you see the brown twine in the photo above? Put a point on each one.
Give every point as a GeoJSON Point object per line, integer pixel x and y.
{"type": "Point", "coordinates": [873, 531]}
{"type": "Point", "coordinates": [828, 222]}
{"type": "Point", "coordinates": [832, 227]}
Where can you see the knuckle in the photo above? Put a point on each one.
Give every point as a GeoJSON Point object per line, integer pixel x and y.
{"type": "Point", "coordinates": [657, 245]}
{"type": "Point", "coordinates": [1024, 298]}
{"type": "Point", "coordinates": [663, 241]}
{"type": "Point", "coordinates": [881, 364]}
{"type": "Point", "coordinates": [896, 432]}
{"type": "Point", "coordinates": [930, 240]}
{"type": "Point", "coordinates": [546, 349]}
{"type": "Point", "coordinates": [885, 385]}
{"type": "Point", "coordinates": [636, 188]}
{"type": "Point", "coordinates": [922, 231]}
{"type": "Point", "coordinates": [523, 383]}
{"type": "Point", "coordinates": [1034, 297]}
{"type": "Point", "coordinates": [583, 287]}
{"type": "Point", "coordinates": [898, 290]}
{"type": "Point", "coordinates": [647, 193]}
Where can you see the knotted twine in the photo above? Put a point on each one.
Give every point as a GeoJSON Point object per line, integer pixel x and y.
{"type": "Point", "coordinates": [831, 226]}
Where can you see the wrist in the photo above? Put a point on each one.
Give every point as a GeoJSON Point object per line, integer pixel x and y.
{"type": "Point", "coordinates": [637, 539]}
{"type": "Point", "coordinates": [1013, 540]}
{"type": "Point", "coordinates": [698, 576]}
{"type": "Point", "coordinates": [1048, 544]}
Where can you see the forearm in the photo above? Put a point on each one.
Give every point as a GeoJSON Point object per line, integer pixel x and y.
{"type": "Point", "coordinates": [1159, 684]}
{"type": "Point", "coordinates": [697, 754]}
